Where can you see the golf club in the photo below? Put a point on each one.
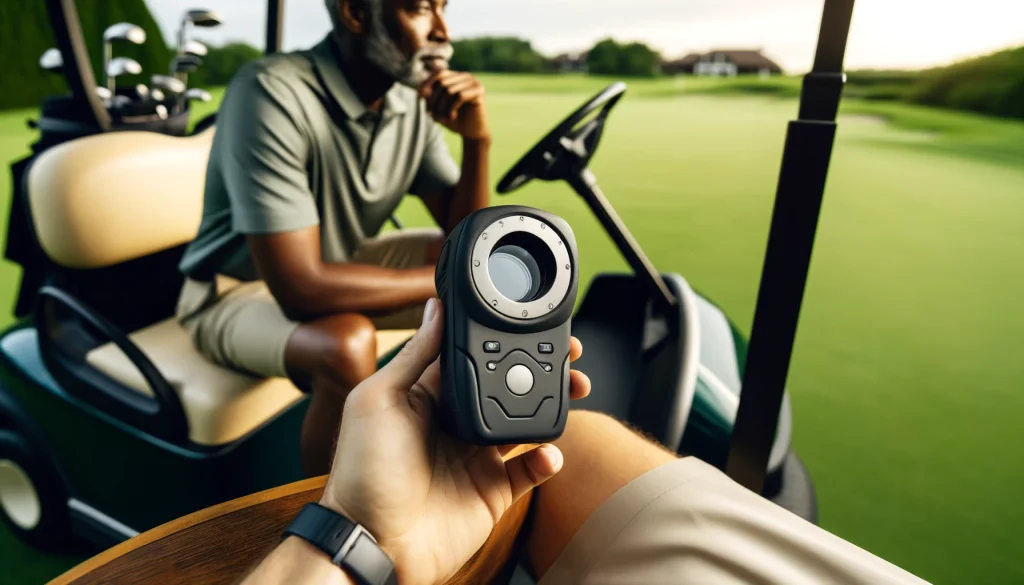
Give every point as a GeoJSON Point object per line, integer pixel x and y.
{"type": "Point", "coordinates": [198, 95]}
{"type": "Point", "coordinates": [182, 65]}
{"type": "Point", "coordinates": [105, 95]}
{"type": "Point", "coordinates": [200, 18]}
{"type": "Point", "coordinates": [157, 95]}
{"type": "Point", "coordinates": [194, 48]}
{"type": "Point", "coordinates": [161, 111]}
{"type": "Point", "coordinates": [52, 61]}
{"type": "Point", "coordinates": [167, 84]}
{"type": "Point", "coordinates": [142, 92]}
{"type": "Point", "coordinates": [121, 66]}
{"type": "Point", "coordinates": [120, 32]}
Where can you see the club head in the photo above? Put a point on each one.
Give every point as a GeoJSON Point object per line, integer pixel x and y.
{"type": "Point", "coordinates": [123, 66]}
{"type": "Point", "coordinates": [161, 111]}
{"type": "Point", "coordinates": [194, 48]}
{"type": "Point", "coordinates": [185, 64]}
{"type": "Point", "coordinates": [104, 93]}
{"type": "Point", "coordinates": [203, 18]}
{"type": "Point", "coordinates": [125, 31]}
{"type": "Point", "coordinates": [167, 84]}
{"type": "Point", "coordinates": [157, 95]}
{"type": "Point", "coordinates": [52, 60]}
{"type": "Point", "coordinates": [198, 95]}
{"type": "Point", "coordinates": [142, 92]}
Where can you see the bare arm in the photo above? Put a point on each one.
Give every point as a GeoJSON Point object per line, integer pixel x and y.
{"type": "Point", "coordinates": [472, 191]}
{"type": "Point", "coordinates": [308, 288]}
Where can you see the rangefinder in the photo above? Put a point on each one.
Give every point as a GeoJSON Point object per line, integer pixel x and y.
{"type": "Point", "coordinates": [508, 279]}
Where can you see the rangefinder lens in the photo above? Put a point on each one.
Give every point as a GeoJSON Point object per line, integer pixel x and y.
{"type": "Point", "coordinates": [515, 273]}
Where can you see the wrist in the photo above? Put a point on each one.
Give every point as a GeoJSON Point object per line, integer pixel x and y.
{"type": "Point", "coordinates": [390, 549]}
{"type": "Point", "coordinates": [482, 138]}
{"type": "Point", "coordinates": [330, 544]}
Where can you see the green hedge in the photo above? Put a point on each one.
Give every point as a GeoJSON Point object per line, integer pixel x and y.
{"type": "Point", "coordinates": [25, 34]}
{"type": "Point", "coordinates": [992, 85]}
{"type": "Point", "coordinates": [221, 64]}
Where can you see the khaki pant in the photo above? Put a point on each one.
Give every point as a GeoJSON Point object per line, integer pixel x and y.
{"type": "Point", "coordinates": [239, 324]}
{"type": "Point", "coordinates": [687, 522]}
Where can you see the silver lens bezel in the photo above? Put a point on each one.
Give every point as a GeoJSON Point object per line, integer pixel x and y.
{"type": "Point", "coordinates": [486, 242]}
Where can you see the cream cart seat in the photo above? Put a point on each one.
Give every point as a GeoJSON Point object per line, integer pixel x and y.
{"type": "Point", "coordinates": [110, 199]}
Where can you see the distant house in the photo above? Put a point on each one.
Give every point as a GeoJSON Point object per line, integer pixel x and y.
{"type": "Point", "coordinates": [570, 63]}
{"type": "Point", "coordinates": [724, 63]}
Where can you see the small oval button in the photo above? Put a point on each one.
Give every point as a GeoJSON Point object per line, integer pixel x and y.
{"type": "Point", "coordinates": [519, 380]}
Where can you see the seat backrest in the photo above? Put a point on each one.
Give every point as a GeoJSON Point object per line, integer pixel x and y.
{"type": "Point", "coordinates": [111, 198]}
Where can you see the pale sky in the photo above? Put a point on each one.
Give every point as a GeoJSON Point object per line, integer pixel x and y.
{"type": "Point", "coordinates": [886, 33]}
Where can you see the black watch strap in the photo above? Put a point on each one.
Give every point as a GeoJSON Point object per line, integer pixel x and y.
{"type": "Point", "coordinates": [348, 544]}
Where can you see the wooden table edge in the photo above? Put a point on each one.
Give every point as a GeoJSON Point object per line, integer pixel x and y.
{"type": "Point", "coordinates": [178, 524]}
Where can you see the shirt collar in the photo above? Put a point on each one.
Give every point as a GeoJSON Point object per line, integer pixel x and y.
{"type": "Point", "coordinates": [326, 61]}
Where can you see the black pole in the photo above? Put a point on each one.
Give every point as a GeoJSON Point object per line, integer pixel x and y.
{"type": "Point", "coordinates": [275, 26]}
{"type": "Point", "coordinates": [801, 187]}
{"type": "Point", "coordinates": [67, 30]}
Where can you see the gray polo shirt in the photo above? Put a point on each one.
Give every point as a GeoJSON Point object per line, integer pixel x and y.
{"type": "Point", "coordinates": [294, 147]}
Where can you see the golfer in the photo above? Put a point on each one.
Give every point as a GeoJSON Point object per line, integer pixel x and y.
{"type": "Point", "coordinates": [314, 150]}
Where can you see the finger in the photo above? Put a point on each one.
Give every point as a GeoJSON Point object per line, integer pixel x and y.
{"type": "Point", "coordinates": [409, 365]}
{"type": "Point", "coordinates": [575, 349]}
{"type": "Point", "coordinates": [452, 91]}
{"type": "Point", "coordinates": [529, 470]}
{"type": "Point", "coordinates": [430, 382]}
{"type": "Point", "coordinates": [428, 84]}
{"type": "Point", "coordinates": [579, 385]}
{"type": "Point", "coordinates": [447, 94]}
{"type": "Point", "coordinates": [468, 96]}
{"type": "Point", "coordinates": [436, 81]}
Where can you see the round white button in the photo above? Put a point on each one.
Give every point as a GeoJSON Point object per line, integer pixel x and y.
{"type": "Point", "coordinates": [519, 380]}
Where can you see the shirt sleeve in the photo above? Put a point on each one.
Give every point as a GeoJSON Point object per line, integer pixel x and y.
{"type": "Point", "coordinates": [438, 172]}
{"type": "Point", "coordinates": [687, 522]}
{"type": "Point", "coordinates": [264, 152]}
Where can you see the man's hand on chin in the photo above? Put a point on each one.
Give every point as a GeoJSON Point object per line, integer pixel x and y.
{"type": "Point", "coordinates": [456, 101]}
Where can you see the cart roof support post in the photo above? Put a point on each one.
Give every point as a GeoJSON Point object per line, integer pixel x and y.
{"type": "Point", "coordinates": [801, 187]}
{"type": "Point", "coordinates": [67, 30]}
{"type": "Point", "coordinates": [275, 26]}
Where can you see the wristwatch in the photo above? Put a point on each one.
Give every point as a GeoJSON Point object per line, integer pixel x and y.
{"type": "Point", "coordinates": [348, 544]}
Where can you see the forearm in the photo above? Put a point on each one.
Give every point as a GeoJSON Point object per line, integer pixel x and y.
{"type": "Point", "coordinates": [295, 561]}
{"type": "Point", "coordinates": [472, 193]}
{"type": "Point", "coordinates": [356, 288]}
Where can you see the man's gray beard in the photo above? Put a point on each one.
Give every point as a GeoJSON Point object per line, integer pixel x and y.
{"type": "Point", "coordinates": [384, 53]}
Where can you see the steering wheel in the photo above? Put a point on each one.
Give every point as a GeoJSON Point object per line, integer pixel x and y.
{"type": "Point", "coordinates": [565, 149]}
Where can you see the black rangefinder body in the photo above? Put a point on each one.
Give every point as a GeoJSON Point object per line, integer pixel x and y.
{"type": "Point", "coordinates": [508, 278]}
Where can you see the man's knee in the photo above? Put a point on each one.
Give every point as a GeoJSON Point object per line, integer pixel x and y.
{"type": "Point", "coordinates": [340, 348]}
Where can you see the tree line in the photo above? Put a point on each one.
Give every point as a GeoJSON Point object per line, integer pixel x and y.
{"type": "Point", "coordinates": [991, 85]}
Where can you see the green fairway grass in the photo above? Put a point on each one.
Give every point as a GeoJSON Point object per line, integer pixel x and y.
{"type": "Point", "coordinates": [909, 361]}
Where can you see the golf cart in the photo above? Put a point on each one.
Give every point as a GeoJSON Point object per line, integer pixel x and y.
{"type": "Point", "coordinates": [111, 423]}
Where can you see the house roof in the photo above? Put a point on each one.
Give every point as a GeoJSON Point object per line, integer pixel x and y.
{"type": "Point", "coordinates": [747, 58]}
{"type": "Point", "coordinates": [687, 61]}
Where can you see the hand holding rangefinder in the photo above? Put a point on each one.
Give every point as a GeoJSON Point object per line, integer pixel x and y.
{"type": "Point", "coordinates": [508, 278]}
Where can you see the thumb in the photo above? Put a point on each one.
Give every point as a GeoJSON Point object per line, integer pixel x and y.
{"type": "Point", "coordinates": [406, 368]}
{"type": "Point", "coordinates": [532, 468]}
